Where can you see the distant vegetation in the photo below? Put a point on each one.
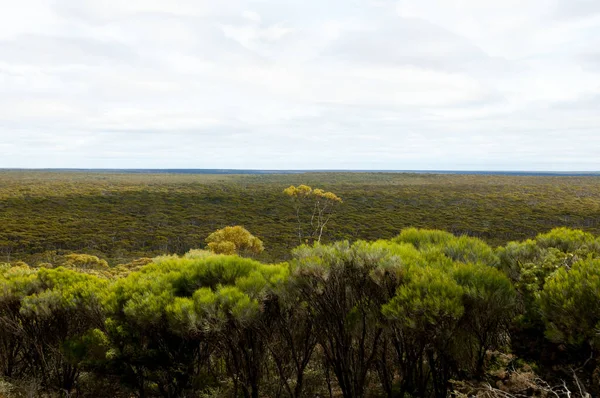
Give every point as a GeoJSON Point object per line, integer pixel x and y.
{"type": "Point", "coordinates": [120, 217]}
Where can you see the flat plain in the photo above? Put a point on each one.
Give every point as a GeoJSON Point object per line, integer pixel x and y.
{"type": "Point", "coordinates": [121, 216]}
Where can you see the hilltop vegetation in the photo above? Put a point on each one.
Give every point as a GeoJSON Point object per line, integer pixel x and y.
{"type": "Point", "coordinates": [120, 217]}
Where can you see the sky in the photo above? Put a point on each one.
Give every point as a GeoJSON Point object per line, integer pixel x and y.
{"type": "Point", "coordinates": [311, 84]}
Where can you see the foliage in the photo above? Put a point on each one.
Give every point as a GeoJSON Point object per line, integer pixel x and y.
{"type": "Point", "coordinates": [450, 308]}
{"type": "Point", "coordinates": [314, 208]}
{"type": "Point", "coordinates": [410, 311]}
{"type": "Point", "coordinates": [166, 321]}
{"type": "Point", "coordinates": [538, 268]}
{"type": "Point", "coordinates": [529, 263]}
{"type": "Point", "coordinates": [116, 304]}
{"type": "Point", "coordinates": [234, 240]}
{"type": "Point", "coordinates": [569, 304]}
{"type": "Point", "coordinates": [123, 216]}
{"type": "Point", "coordinates": [84, 261]}
{"type": "Point", "coordinates": [46, 317]}
{"type": "Point", "coordinates": [335, 283]}
{"type": "Point", "coordinates": [569, 308]}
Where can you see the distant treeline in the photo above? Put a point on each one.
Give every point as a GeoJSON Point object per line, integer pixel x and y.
{"type": "Point", "coordinates": [123, 216]}
{"type": "Point", "coordinates": [257, 171]}
{"type": "Point", "coordinates": [423, 314]}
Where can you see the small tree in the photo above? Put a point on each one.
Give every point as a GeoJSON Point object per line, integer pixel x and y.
{"type": "Point", "coordinates": [181, 325]}
{"type": "Point", "coordinates": [424, 316]}
{"type": "Point", "coordinates": [314, 208]}
{"type": "Point", "coordinates": [335, 284]}
{"type": "Point", "coordinates": [84, 261]}
{"type": "Point", "coordinates": [234, 240]}
{"type": "Point", "coordinates": [569, 304]}
{"type": "Point", "coordinates": [46, 322]}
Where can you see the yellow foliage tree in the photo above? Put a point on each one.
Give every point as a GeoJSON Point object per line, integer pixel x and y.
{"type": "Point", "coordinates": [84, 261]}
{"type": "Point", "coordinates": [234, 240]}
{"type": "Point", "coordinates": [314, 208]}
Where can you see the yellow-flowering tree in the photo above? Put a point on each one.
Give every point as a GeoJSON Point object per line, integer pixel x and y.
{"type": "Point", "coordinates": [314, 208]}
{"type": "Point", "coordinates": [234, 240]}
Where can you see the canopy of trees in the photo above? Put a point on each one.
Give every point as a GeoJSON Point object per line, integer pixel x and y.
{"type": "Point", "coordinates": [234, 240]}
{"type": "Point", "coordinates": [424, 314]}
{"type": "Point", "coordinates": [314, 208]}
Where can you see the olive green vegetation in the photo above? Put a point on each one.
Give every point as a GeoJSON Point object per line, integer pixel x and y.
{"type": "Point", "coordinates": [119, 217]}
{"type": "Point", "coordinates": [424, 314]}
{"type": "Point", "coordinates": [105, 290]}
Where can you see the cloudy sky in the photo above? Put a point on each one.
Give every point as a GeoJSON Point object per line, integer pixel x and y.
{"type": "Point", "coordinates": [311, 84]}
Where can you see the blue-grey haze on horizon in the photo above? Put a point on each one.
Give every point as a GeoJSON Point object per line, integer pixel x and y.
{"type": "Point", "coordinates": [280, 84]}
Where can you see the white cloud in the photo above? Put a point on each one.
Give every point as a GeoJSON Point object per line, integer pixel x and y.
{"type": "Point", "coordinates": [252, 16]}
{"type": "Point", "coordinates": [282, 84]}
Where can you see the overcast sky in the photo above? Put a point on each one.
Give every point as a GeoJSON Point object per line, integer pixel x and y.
{"type": "Point", "coordinates": [303, 84]}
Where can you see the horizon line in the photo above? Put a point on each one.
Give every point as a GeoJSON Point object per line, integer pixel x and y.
{"type": "Point", "coordinates": [286, 171]}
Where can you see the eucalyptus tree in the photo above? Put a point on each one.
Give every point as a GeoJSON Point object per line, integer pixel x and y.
{"type": "Point", "coordinates": [529, 265]}
{"type": "Point", "coordinates": [293, 330]}
{"type": "Point", "coordinates": [450, 306]}
{"type": "Point", "coordinates": [181, 324]}
{"type": "Point", "coordinates": [314, 208]}
{"type": "Point", "coordinates": [569, 304]}
{"type": "Point", "coordinates": [335, 283]}
{"type": "Point", "coordinates": [49, 318]}
{"type": "Point", "coordinates": [490, 303]}
{"type": "Point", "coordinates": [424, 315]}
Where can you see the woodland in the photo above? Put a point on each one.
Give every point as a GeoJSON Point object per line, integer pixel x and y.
{"type": "Point", "coordinates": [365, 285]}
{"type": "Point", "coordinates": [123, 216]}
